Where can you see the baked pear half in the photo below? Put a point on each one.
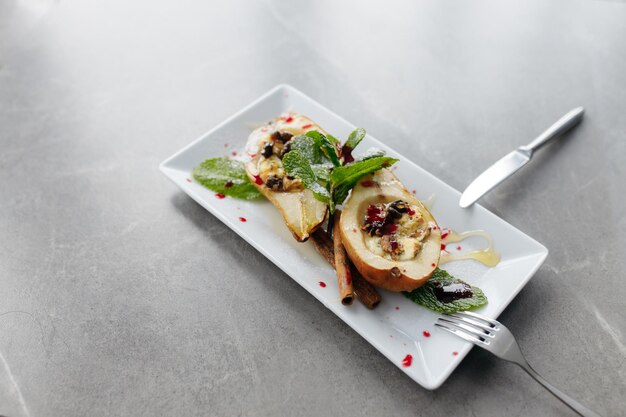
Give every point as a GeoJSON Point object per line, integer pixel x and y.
{"type": "Point", "coordinates": [389, 235]}
{"type": "Point", "coordinates": [301, 211]}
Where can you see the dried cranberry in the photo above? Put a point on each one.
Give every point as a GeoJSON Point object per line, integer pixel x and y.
{"type": "Point", "coordinates": [286, 149]}
{"type": "Point", "coordinates": [346, 153]}
{"type": "Point", "coordinates": [275, 136]}
{"type": "Point", "coordinates": [285, 137]}
{"type": "Point", "coordinates": [274, 183]}
{"type": "Point", "coordinates": [375, 218]}
{"type": "Point", "coordinates": [393, 214]}
{"type": "Point", "coordinates": [400, 206]}
{"type": "Point", "coordinates": [268, 150]}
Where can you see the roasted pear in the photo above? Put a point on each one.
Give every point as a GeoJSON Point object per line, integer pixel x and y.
{"type": "Point", "coordinates": [266, 146]}
{"type": "Point", "coordinates": [389, 235]}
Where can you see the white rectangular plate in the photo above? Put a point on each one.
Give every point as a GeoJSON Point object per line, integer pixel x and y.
{"type": "Point", "coordinates": [397, 327]}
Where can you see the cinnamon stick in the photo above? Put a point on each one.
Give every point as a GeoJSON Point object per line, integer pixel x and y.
{"type": "Point", "coordinates": [364, 291]}
{"type": "Point", "coordinates": [342, 266]}
{"type": "Point", "coordinates": [324, 246]}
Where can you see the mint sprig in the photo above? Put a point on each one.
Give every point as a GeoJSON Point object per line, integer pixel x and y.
{"type": "Point", "coordinates": [344, 178]}
{"type": "Point", "coordinates": [225, 176]}
{"type": "Point", "coordinates": [317, 160]}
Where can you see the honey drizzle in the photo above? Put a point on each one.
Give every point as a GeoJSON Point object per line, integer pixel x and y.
{"type": "Point", "coordinates": [487, 256]}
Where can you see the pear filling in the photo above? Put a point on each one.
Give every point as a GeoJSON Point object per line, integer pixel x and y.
{"type": "Point", "coordinates": [270, 164]}
{"type": "Point", "coordinates": [394, 230]}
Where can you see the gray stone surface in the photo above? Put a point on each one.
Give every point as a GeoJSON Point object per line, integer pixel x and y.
{"type": "Point", "coordinates": [121, 296]}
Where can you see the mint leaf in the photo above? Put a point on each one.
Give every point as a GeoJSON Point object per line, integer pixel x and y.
{"type": "Point", "coordinates": [297, 166]}
{"type": "Point", "coordinates": [322, 171]}
{"type": "Point", "coordinates": [326, 145]}
{"type": "Point", "coordinates": [227, 177]}
{"type": "Point", "coordinates": [332, 139]}
{"type": "Point", "coordinates": [344, 178]}
{"type": "Point", "coordinates": [372, 153]}
{"type": "Point", "coordinates": [425, 295]}
{"type": "Point", "coordinates": [355, 138]}
{"type": "Point", "coordinates": [309, 148]}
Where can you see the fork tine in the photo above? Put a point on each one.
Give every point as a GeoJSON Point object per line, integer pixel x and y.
{"type": "Point", "coordinates": [461, 334]}
{"type": "Point", "coordinates": [472, 321]}
{"type": "Point", "coordinates": [480, 317]}
{"type": "Point", "coordinates": [468, 328]}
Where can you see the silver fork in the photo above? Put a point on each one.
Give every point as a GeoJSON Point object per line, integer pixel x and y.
{"type": "Point", "coordinates": [493, 336]}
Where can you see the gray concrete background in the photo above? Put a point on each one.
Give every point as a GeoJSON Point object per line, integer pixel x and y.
{"type": "Point", "coordinates": [121, 296]}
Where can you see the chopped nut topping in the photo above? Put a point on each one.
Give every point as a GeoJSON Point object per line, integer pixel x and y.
{"type": "Point", "coordinates": [399, 225]}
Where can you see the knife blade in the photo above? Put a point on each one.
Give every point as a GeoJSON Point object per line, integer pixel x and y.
{"type": "Point", "coordinates": [494, 175]}
{"type": "Point", "coordinates": [514, 161]}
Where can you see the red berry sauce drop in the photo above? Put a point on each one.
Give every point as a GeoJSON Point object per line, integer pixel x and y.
{"type": "Point", "coordinates": [322, 284]}
{"type": "Point", "coordinates": [443, 246]}
{"type": "Point", "coordinates": [258, 180]}
{"type": "Point", "coordinates": [234, 153]}
{"type": "Point", "coordinates": [307, 126]}
{"type": "Point", "coordinates": [220, 195]}
{"type": "Point", "coordinates": [426, 333]}
{"type": "Point", "coordinates": [458, 248]}
{"type": "Point", "coordinates": [243, 219]}
{"type": "Point", "coordinates": [407, 361]}
{"type": "Point", "coordinates": [388, 229]}
{"type": "Point", "coordinates": [288, 119]}
{"type": "Point", "coordinates": [455, 353]}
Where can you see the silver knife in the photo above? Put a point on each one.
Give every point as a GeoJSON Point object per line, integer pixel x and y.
{"type": "Point", "coordinates": [512, 162]}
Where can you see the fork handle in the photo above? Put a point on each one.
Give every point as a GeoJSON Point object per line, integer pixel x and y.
{"type": "Point", "coordinates": [569, 401]}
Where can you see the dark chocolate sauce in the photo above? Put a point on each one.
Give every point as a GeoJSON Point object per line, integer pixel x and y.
{"type": "Point", "coordinates": [452, 292]}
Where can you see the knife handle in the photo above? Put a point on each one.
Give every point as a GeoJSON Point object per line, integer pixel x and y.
{"type": "Point", "coordinates": [565, 123]}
